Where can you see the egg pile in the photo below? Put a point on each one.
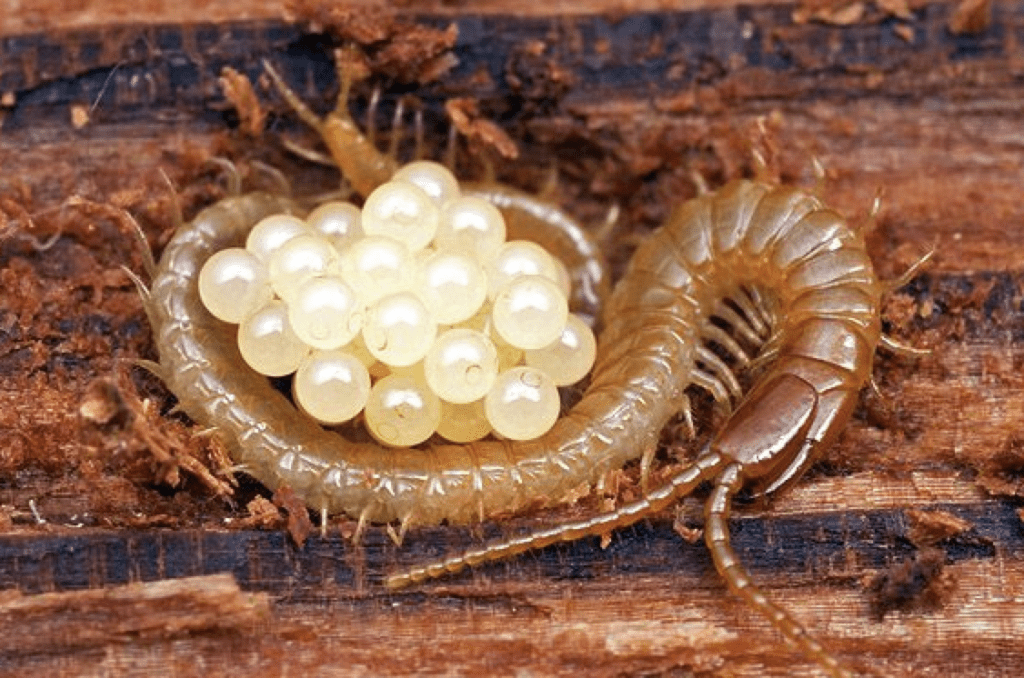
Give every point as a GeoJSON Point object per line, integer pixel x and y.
{"type": "Point", "coordinates": [413, 310]}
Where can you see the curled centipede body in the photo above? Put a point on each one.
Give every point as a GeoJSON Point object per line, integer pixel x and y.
{"type": "Point", "coordinates": [460, 483]}
{"type": "Point", "coordinates": [766, 267]}
{"type": "Point", "coordinates": [749, 254]}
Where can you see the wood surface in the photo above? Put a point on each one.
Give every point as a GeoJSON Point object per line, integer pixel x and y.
{"type": "Point", "coordinates": [903, 551]}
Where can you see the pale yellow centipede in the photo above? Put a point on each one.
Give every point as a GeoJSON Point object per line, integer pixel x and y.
{"type": "Point", "coordinates": [788, 276]}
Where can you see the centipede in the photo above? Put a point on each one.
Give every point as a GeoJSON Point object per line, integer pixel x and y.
{"type": "Point", "coordinates": [754, 276]}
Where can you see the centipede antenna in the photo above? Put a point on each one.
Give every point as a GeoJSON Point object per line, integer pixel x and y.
{"type": "Point", "coordinates": [140, 287]}
{"type": "Point", "coordinates": [41, 245]}
{"type": "Point", "coordinates": [304, 112]}
{"type": "Point", "coordinates": [148, 262]}
{"type": "Point", "coordinates": [176, 214]}
{"type": "Point", "coordinates": [371, 116]}
{"type": "Point", "coordinates": [11, 230]}
{"type": "Point", "coordinates": [680, 485]}
{"type": "Point", "coordinates": [738, 579]}
{"type": "Point", "coordinates": [396, 129]}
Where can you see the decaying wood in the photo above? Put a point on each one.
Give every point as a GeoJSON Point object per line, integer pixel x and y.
{"type": "Point", "coordinates": [90, 620]}
{"type": "Point", "coordinates": [903, 550]}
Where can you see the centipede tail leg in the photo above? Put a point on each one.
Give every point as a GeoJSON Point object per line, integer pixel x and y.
{"type": "Point", "coordinates": [738, 579]}
{"type": "Point", "coordinates": [678, 486]}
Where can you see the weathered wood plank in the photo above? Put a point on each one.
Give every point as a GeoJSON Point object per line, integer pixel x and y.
{"type": "Point", "coordinates": [933, 121]}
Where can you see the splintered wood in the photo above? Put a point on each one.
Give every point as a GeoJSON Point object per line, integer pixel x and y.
{"type": "Point", "coordinates": [901, 549]}
{"type": "Point", "coordinates": [152, 611]}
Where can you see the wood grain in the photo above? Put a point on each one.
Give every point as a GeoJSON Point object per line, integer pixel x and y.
{"type": "Point", "coordinates": [626, 107]}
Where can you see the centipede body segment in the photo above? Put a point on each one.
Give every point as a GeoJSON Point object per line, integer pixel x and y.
{"type": "Point", "coordinates": [752, 272]}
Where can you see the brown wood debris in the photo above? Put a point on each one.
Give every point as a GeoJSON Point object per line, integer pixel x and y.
{"type": "Point", "coordinates": [52, 622]}
{"type": "Point", "coordinates": [240, 93]}
{"type": "Point", "coordinates": [465, 116]}
{"type": "Point", "coordinates": [913, 584]}
{"type": "Point", "coordinates": [395, 46]}
{"type": "Point", "coordinates": [87, 462]}
{"type": "Point", "coordinates": [970, 17]}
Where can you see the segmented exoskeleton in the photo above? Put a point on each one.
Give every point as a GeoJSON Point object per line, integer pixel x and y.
{"type": "Point", "coordinates": [815, 287]}
{"type": "Point", "coordinates": [784, 273]}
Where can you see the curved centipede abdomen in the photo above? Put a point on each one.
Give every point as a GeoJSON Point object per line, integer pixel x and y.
{"type": "Point", "coordinates": [817, 292]}
{"type": "Point", "coordinates": [271, 441]}
{"type": "Point", "coordinates": [201, 365]}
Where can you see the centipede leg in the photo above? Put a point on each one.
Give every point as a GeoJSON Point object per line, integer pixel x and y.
{"type": "Point", "coordinates": [282, 185]}
{"type": "Point", "coordinates": [646, 460]}
{"type": "Point", "coordinates": [749, 303]}
{"type": "Point", "coordinates": [371, 116]}
{"type": "Point", "coordinates": [899, 348]}
{"type": "Point", "coordinates": [396, 129]}
{"type": "Point", "coordinates": [738, 323]}
{"type": "Point", "coordinates": [720, 370]}
{"type": "Point", "coordinates": [231, 170]}
{"type": "Point", "coordinates": [418, 135]}
{"type": "Point", "coordinates": [313, 156]}
{"type": "Point", "coordinates": [722, 338]}
{"type": "Point", "coordinates": [362, 523]}
{"type": "Point", "coordinates": [909, 274]}
{"type": "Point", "coordinates": [678, 486]}
{"type": "Point", "coordinates": [710, 383]}
{"type": "Point", "coordinates": [177, 217]}
{"type": "Point", "coordinates": [738, 579]}
{"type": "Point", "coordinates": [451, 148]}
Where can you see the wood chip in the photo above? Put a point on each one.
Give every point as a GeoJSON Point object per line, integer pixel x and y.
{"type": "Point", "coordinates": [51, 622]}
{"type": "Point", "coordinates": [930, 527]}
{"type": "Point", "coordinates": [971, 17]}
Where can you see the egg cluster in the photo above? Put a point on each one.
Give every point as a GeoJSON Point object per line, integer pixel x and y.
{"type": "Point", "coordinates": [413, 310]}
